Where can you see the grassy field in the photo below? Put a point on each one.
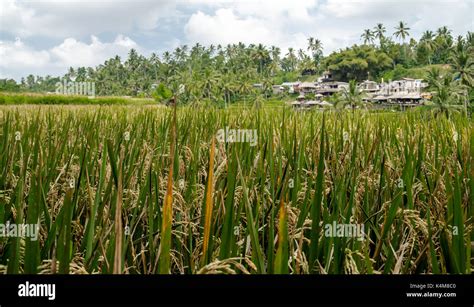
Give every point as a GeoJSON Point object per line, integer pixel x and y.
{"type": "Point", "coordinates": [120, 189]}
{"type": "Point", "coordinates": [53, 99]}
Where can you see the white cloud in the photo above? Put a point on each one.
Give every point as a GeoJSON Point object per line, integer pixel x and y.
{"type": "Point", "coordinates": [227, 27]}
{"type": "Point", "coordinates": [297, 11]}
{"type": "Point", "coordinates": [62, 18]}
{"type": "Point", "coordinates": [16, 54]}
{"type": "Point", "coordinates": [18, 59]}
{"type": "Point", "coordinates": [267, 9]}
{"type": "Point", "coordinates": [366, 8]}
{"type": "Point", "coordinates": [55, 33]}
{"type": "Point", "coordinates": [75, 53]}
{"type": "Point", "coordinates": [337, 23]}
{"type": "Point", "coordinates": [342, 21]}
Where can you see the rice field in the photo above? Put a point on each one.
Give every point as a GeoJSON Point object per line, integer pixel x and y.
{"type": "Point", "coordinates": [148, 190]}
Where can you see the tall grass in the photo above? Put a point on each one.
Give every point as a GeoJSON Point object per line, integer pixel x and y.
{"type": "Point", "coordinates": [117, 189]}
{"type": "Point", "coordinates": [18, 99]}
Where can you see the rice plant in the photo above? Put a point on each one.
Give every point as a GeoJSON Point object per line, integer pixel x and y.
{"type": "Point", "coordinates": [120, 189]}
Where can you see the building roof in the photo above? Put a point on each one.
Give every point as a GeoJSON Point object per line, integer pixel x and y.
{"type": "Point", "coordinates": [337, 82]}
{"type": "Point", "coordinates": [405, 96]}
{"type": "Point", "coordinates": [307, 85]}
{"type": "Point", "coordinates": [290, 83]}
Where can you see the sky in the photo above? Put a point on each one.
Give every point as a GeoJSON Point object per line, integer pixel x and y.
{"type": "Point", "coordinates": [47, 37]}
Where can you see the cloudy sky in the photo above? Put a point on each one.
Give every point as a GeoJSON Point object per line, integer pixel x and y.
{"type": "Point", "coordinates": [47, 37]}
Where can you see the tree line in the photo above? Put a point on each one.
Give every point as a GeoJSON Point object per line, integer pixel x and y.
{"type": "Point", "coordinates": [225, 74]}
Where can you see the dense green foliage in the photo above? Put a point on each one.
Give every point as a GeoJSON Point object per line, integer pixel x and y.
{"type": "Point", "coordinates": [392, 60]}
{"type": "Point", "coordinates": [358, 63]}
{"type": "Point", "coordinates": [225, 74]}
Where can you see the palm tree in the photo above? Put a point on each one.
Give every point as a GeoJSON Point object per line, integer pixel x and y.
{"type": "Point", "coordinates": [193, 86]}
{"type": "Point", "coordinates": [427, 36]}
{"type": "Point", "coordinates": [275, 63]}
{"type": "Point", "coordinates": [379, 32]}
{"type": "Point", "coordinates": [443, 31]}
{"type": "Point", "coordinates": [316, 48]}
{"type": "Point", "coordinates": [260, 53]}
{"type": "Point", "coordinates": [367, 36]}
{"type": "Point", "coordinates": [306, 64]}
{"type": "Point", "coordinates": [210, 79]}
{"type": "Point", "coordinates": [402, 31]}
{"type": "Point", "coordinates": [337, 101]}
{"type": "Point", "coordinates": [275, 53]}
{"type": "Point", "coordinates": [433, 77]}
{"type": "Point", "coordinates": [301, 54]}
{"type": "Point", "coordinates": [228, 88]}
{"type": "Point", "coordinates": [314, 45]}
{"type": "Point", "coordinates": [444, 42]}
{"type": "Point", "coordinates": [352, 95]}
{"type": "Point", "coordinates": [291, 58]}
{"type": "Point", "coordinates": [446, 95]}
{"type": "Point", "coordinates": [470, 40]}
{"type": "Point", "coordinates": [427, 40]}
{"type": "Point", "coordinates": [70, 75]}
{"type": "Point", "coordinates": [244, 85]}
{"type": "Point", "coordinates": [310, 43]}
{"type": "Point", "coordinates": [463, 65]}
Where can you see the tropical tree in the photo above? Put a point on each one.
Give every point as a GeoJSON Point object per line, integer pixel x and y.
{"type": "Point", "coordinates": [426, 46]}
{"type": "Point", "coordinates": [462, 63]}
{"type": "Point", "coordinates": [446, 95]}
{"type": "Point", "coordinates": [315, 46]}
{"type": "Point", "coordinates": [209, 82]}
{"type": "Point", "coordinates": [357, 62]}
{"type": "Point", "coordinates": [9, 85]}
{"type": "Point", "coordinates": [261, 55]}
{"type": "Point", "coordinates": [402, 31]}
{"type": "Point", "coordinates": [433, 77]}
{"type": "Point", "coordinates": [368, 37]}
{"type": "Point", "coordinates": [244, 85]}
{"type": "Point", "coordinates": [470, 41]}
{"type": "Point", "coordinates": [162, 93]}
{"type": "Point", "coordinates": [274, 66]}
{"type": "Point", "coordinates": [379, 32]}
{"type": "Point", "coordinates": [443, 31]}
{"type": "Point", "coordinates": [443, 42]}
{"type": "Point", "coordinates": [228, 88]}
{"type": "Point", "coordinates": [352, 96]}
{"type": "Point", "coordinates": [337, 101]}
{"type": "Point", "coordinates": [291, 57]}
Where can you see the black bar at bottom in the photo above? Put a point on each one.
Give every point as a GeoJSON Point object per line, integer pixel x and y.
{"type": "Point", "coordinates": [132, 290]}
